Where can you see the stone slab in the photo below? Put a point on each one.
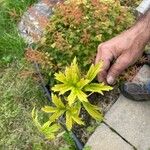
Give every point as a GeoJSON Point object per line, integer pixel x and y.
{"type": "Point", "coordinates": [143, 75]}
{"type": "Point", "coordinates": [132, 119]}
{"type": "Point", "coordinates": [35, 20]}
{"type": "Point", "coordinates": [105, 139]}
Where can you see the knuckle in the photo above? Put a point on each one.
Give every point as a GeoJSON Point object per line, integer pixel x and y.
{"type": "Point", "coordinates": [104, 48]}
{"type": "Point", "coordinates": [115, 71]}
{"type": "Point", "coordinates": [101, 47]}
{"type": "Point", "coordinates": [126, 61]}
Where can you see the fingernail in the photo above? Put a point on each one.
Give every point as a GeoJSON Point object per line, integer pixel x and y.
{"type": "Point", "coordinates": [110, 80]}
{"type": "Point", "coordinates": [100, 79]}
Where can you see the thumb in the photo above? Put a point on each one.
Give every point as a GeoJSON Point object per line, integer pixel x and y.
{"type": "Point", "coordinates": [117, 68]}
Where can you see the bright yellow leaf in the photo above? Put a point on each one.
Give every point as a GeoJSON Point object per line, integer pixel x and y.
{"type": "Point", "coordinates": [92, 111]}
{"type": "Point", "coordinates": [48, 109]}
{"type": "Point", "coordinates": [68, 121]}
{"type": "Point", "coordinates": [97, 87]}
{"type": "Point", "coordinates": [57, 101]}
{"type": "Point", "coordinates": [94, 70]}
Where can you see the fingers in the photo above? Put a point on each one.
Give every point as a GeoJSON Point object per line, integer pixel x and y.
{"type": "Point", "coordinates": [117, 68]}
{"type": "Point", "coordinates": [105, 55]}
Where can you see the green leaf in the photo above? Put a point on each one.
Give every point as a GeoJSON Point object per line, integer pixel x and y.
{"type": "Point", "coordinates": [97, 87]}
{"type": "Point", "coordinates": [52, 128]}
{"type": "Point", "coordinates": [82, 83]}
{"type": "Point", "coordinates": [35, 118]}
{"type": "Point", "coordinates": [49, 109]}
{"type": "Point", "coordinates": [76, 68]}
{"type": "Point", "coordinates": [92, 110]}
{"type": "Point", "coordinates": [93, 71]}
{"type": "Point", "coordinates": [77, 120]}
{"type": "Point", "coordinates": [72, 73]}
{"type": "Point", "coordinates": [68, 121]}
{"type": "Point", "coordinates": [62, 88]}
{"type": "Point", "coordinates": [57, 101]}
{"type": "Point", "coordinates": [76, 109]}
{"type": "Point", "coordinates": [45, 125]}
{"type": "Point", "coordinates": [56, 115]}
{"type": "Point", "coordinates": [60, 77]}
{"type": "Point", "coordinates": [81, 96]}
{"type": "Point", "coordinates": [72, 97]}
{"type": "Point", "coordinates": [47, 129]}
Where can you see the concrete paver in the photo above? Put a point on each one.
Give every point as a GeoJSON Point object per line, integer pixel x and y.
{"type": "Point", "coordinates": [130, 119]}
{"type": "Point", "coordinates": [105, 139]}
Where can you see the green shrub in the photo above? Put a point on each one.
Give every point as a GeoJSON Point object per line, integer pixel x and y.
{"type": "Point", "coordinates": [77, 28]}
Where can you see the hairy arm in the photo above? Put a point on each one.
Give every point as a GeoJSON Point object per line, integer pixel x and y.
{"type": "Point", "coordinates": [123, 50]}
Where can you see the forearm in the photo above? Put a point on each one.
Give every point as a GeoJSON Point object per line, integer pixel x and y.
{"type": "Point", "coordinates": [141, 29]}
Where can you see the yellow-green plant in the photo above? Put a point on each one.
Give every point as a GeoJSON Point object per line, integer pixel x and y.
{"type": "Point", "coordinates": [71, 113]}
{"type": "Point", "coordinates": [48, 129]}
{"type": "Point", "coordinates": [73, 90]}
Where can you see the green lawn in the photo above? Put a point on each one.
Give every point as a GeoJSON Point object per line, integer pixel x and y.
{"type": "Point", "coordinates": [18, 95]}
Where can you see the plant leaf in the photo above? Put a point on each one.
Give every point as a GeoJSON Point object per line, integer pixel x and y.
{"type": "Point", "coordinates": [77, 120]}
{"type": "Point", "coordinates": [49, 131]}
{"type": "Point", "coordinates": [97, 87]}
{"type": "Point", "coordinates": [61, 88]}
{"type": "Point", "coordinates": [56, 115]}
{"type": "Point", "coordinates": [72, 73]}
{"type": "Point", "coordinates": [91, 109]}
{"type": "Point", "coordinates": [76, 109]}
{"type": "Point", "coordinates": [49, 109]}
{"type": "Point", "coordinates": [93, 71]}
{"type": "Point", "coordinates": [72, 97]}
{"type": "Point", "coordinates": [68, 121]}
{"type": "Point", "coordinates": [52, 128]}
{"type": "Point", "coordinates": [60, 77]}
{"type": "Point", "coordinates": [76, 68]}
{"type": "Point", "coordinates": [81, 96]}
{"type": "Point", "coordinates": [35, 118]}
{"type": "Point", "coordinates": [82, 83]}
{"type": "Point", "coordinates": [45, 125]}
{"type": "Point", "coordinates": [57, 101]}
{"type": "Point", "coordinates": [46, 129]}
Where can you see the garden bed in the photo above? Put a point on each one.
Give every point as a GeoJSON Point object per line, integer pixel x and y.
{"type": "Point", "coordinates": [83, 35]}
{"type": "Point", "coordinates": [54, 54]}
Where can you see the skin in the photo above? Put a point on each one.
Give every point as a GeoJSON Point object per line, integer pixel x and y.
{"type": "Point", "coordinates": [123, 50]}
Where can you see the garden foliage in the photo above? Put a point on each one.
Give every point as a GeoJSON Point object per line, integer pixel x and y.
{"type": "Point", "coordinates": [71, 94]}
{"type": "Point", "coordinates": [77, 27]}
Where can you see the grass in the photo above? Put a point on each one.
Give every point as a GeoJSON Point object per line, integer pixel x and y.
{"type": "Point", "coordinates": [18, 94]}
{"type": "Point", "coordinates": [11, 44]}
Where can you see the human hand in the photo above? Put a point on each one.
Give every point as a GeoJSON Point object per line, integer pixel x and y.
{"type": "Point", "coordinates": [118, 54]}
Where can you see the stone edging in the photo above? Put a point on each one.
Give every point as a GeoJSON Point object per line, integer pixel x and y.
{"type": "Point", "coordinates": [35, 20]}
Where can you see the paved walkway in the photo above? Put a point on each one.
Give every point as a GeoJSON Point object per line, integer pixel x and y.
{"type": "Point", "coordinates": [126, 125]}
